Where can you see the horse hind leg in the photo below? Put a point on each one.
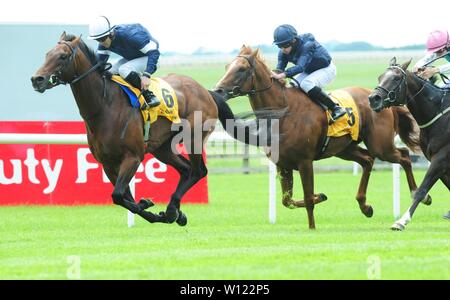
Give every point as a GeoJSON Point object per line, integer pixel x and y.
{"type": "Point", "coordinates": [401, 156]}
{"type": "Point", "coordinates": [365, 160]}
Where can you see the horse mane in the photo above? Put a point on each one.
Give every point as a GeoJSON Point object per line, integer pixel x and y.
{"type": "Point", "coordinates": [428, 83]}
{"type": "Point", "coordinates": [247, 50]}
{"type": "Point", "coordinates": [90, 54]}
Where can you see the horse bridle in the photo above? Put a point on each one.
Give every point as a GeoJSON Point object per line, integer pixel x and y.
{"type": "Point", "coordinates": [236, 91]}
{"type": "Point", "coordinates": [391, 95]}
{"type": "Point", "coordinates": [55, 78]}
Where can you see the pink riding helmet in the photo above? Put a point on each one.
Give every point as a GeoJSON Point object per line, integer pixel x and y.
{"type": "Point", "coordinates": [437, 40]}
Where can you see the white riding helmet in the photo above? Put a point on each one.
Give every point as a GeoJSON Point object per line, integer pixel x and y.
{"type": "Point", "coordinates": [99, 27]}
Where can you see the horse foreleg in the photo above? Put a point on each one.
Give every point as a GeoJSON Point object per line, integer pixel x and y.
{"type": "Point", "coordinates": [438, 168]}
{"type": "Point", "coordinates": [287, 184]}
{"type": "Point", "coordinates": [127, 169]}
{"type": "Point", "coordinates": [401, 156]}
{"type": "Point", "coordinates": [183, 167]}
{"type": "Point", "coordinates": [307, 175]}
{"type": "Point", "coordinates": [365, 160]}
{"type": "Point", "coordinates": [287, 188]}
{"type": "Point", "coordinates": [143, 205]}
{"type": "Point", "coordinates": [198, 170]}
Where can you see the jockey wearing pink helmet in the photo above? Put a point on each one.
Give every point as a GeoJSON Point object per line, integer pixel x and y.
{"type": "Point", "coordinates": [438, 46]}
{"type": "Point", "coordinates": [437, 41]}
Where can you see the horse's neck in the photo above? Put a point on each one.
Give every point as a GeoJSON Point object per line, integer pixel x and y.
{"type": "Point", "coordinates": [424, 101]}
{"type": "Point", "coordinates": [88, 93]}
{"type": "Point", "coordinates": [273, 98]}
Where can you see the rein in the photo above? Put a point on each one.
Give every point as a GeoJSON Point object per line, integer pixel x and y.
{"type": "Point", "coordinates": [392, 96]}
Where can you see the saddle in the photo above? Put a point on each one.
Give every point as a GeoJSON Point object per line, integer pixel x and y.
{"type": "Point", "coordinates": [168, 106]}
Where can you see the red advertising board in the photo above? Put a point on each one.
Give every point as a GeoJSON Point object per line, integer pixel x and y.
{"type": "Point", "coordinates": [69, 174]}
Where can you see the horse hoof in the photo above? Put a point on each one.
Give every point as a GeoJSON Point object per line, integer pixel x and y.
{"type": "Point", "coordinates": [182, 219]}
{"type": "Point", "coordinates": [369, 212]}
{"type": "Point", "coordinates": [427, 200]}
{"type": "Point", "coordinates": [171, 215]}
{"type": "Point", "coordinates": [145, 203]}
{"type": "Point", "coordinates": [398, 227]}
{"type": "Point", "coordinates": [322, 197]}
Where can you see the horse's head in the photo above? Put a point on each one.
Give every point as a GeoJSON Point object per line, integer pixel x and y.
{"type": "Point", "coordinates": [392, 87]}
{"type": "Point", "coordinates": [58, 66]}
{"type": "Point", "coordinates": [239, 79]}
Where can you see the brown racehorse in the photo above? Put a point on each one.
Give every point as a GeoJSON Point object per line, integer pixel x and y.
{"type": "Point", "coordinates": [115, 128]}
{"type": "Point", "coordinates": [304, 130]}
{"type": "Point", "coordinates": [430, 106]}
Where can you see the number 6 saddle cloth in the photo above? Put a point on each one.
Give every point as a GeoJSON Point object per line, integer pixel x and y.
{"type": "Point", "coordinates": [349, 123]}
{"type": "Point", "coordinates": [168, 106]}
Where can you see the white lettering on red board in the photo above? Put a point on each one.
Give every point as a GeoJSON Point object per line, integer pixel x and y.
{"type": "Point", "coordinates": [152, 168]}
{"type": "Point", "coordinates": [31, 163]}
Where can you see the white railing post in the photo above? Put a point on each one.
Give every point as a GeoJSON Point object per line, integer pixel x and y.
{"type": "Point", "coordinates": [272, 192]}
{"type": "Point", "coordinates": [396, 190]}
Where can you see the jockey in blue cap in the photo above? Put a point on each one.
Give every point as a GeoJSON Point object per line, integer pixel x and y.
{"type": "Point", "coordinates": [139, 51]}
{"type": "Point", "coordinates": [313, 66]}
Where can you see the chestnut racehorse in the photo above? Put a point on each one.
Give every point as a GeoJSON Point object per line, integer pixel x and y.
{"type": "Point", "coordinates": [304, 130]}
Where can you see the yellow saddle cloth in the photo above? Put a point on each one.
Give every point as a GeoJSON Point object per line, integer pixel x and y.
{"type": "Point", "coordinates": [347, 124]}
{"type": "Point", "coordinates": [168, 107]}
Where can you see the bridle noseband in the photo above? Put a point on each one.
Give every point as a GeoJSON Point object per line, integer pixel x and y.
{"type": "Point", "coordinates": [55, 78]}
{"type": "Point", "coordinates": [391, 95]}
{"type": "Point", "coordinates": [236, 90]}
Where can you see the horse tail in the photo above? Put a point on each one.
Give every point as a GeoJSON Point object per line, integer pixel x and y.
{"type": "Point", "coordinates": [251, 132]}
{"type": "Point", "coordinates": [407, 128]}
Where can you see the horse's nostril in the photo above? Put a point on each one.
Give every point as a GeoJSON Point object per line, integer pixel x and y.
{"type": "Point", "coordinates": [37, 79]}
{"type": "Point", "coordinates": [219, 91]}
{"type": "Point", "coordinates": [375, 97]}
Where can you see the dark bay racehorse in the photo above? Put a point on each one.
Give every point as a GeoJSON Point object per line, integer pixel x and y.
{"type": "Point", "coordinates": [115, 129]}
{"type": "Point", "coordinates": [430, 106]}
{"type": "Point", "coordinates": [304, 130]}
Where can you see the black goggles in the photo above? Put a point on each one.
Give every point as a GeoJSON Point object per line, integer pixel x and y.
{"type": "Point", "coordinates": [284, 45]}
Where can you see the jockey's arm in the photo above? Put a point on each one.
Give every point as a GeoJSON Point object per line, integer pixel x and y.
{"type": "Point", "coordinates": [444, 69]}
{"type": "Point", "coordinates": [303, 61]}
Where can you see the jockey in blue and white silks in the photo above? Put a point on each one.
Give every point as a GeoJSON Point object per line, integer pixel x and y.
{"type": "Point", "coordinates": [138, 49]}
{"type": "Point", "coordinates": [313, 67]}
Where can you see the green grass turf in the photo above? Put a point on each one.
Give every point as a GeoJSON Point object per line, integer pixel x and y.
{"type": "Point", "coordinates": [231, 238]}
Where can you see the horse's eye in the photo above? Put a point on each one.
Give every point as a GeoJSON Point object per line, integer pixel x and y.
{"type": "Point", "coordinates": [63, 56]}
{"type": "Point", "coordinates": [241, 70]}
{"type": "Point", "coordinates": [397, 78]}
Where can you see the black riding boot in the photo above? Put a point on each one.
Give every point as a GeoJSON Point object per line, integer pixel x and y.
{"type": "Point", "coordinates": [320, 97]}
{"type": "Point", "coordinates": [150, 99]}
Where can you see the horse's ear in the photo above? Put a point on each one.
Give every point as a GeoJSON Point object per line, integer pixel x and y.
{"type": "Point", "coordinates": [63, 36]}
{"type": "Point", "coordinates": [393, 61]}
{"type": "Point", "coordinates": [256, 52]}
{"type": "Point", "coordinates": [76, 40]}
{"type": "Point", "coordinates": [406, 64]}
